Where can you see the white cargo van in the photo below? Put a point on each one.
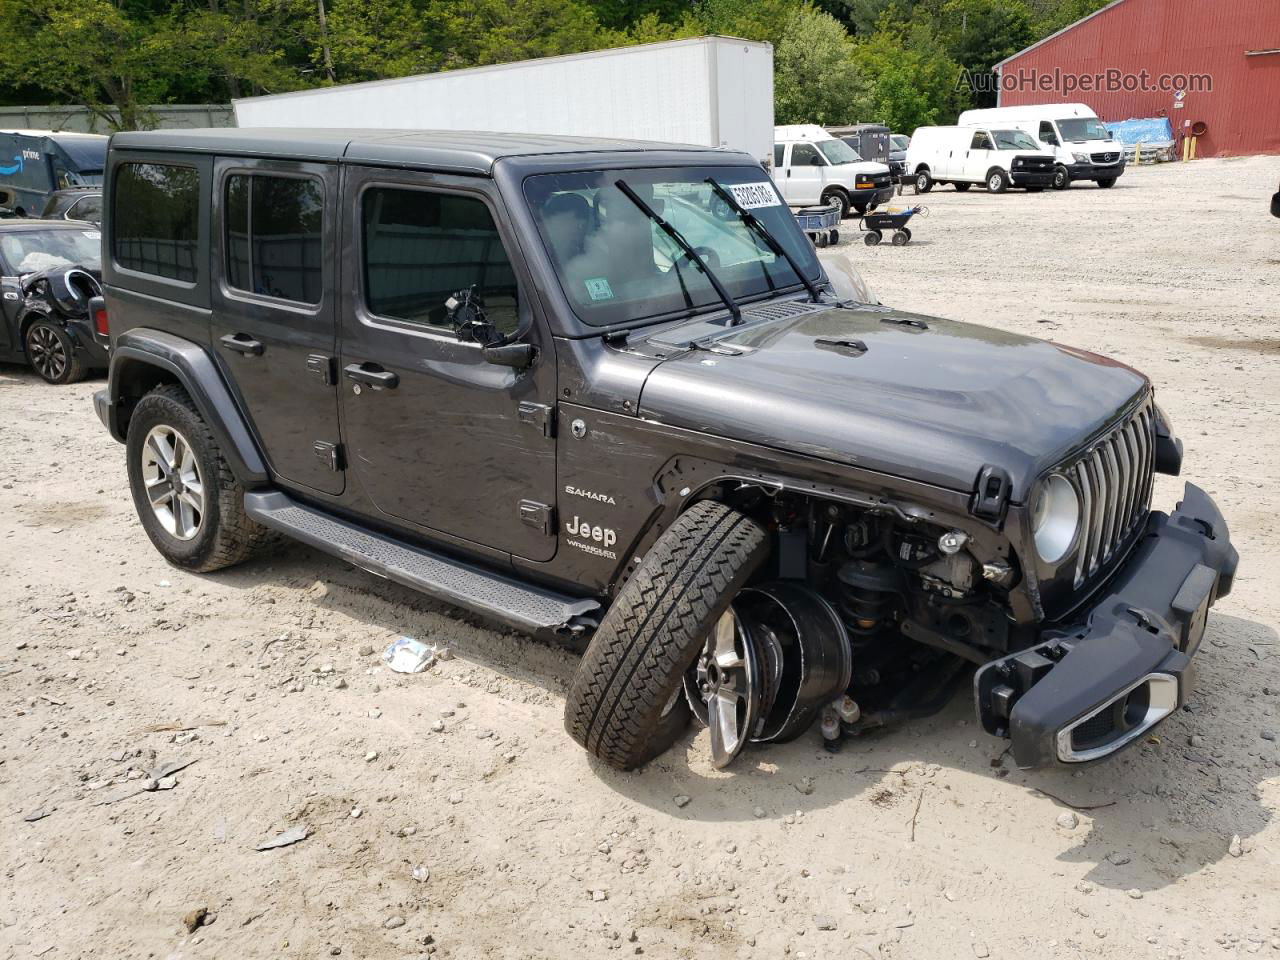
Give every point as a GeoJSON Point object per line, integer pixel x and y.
{"type": "Point", "coordinates": [999, 157]}
{"type": "Point", "coordinates": [811, 166]}
{"type": "Point", "coordinates": [1082, 146]}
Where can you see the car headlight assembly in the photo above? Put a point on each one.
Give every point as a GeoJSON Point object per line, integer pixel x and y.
{"type": "Point", "coordinates": [1055, 517]}
{"type": "Point", "coordinates": [1081, 157]}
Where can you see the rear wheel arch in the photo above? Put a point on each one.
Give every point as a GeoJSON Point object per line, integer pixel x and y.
{"type": "Point", "coordinates": [142, 363]}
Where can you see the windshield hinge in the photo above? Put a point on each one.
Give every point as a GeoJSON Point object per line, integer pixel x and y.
{"type": "Point", "coordinates": [992, 494]}
{"type": "Point", "coordinates": [539, 416]}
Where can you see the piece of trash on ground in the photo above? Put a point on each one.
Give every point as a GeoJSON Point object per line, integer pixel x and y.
{"type": "Point", "coordinates": [290, 836]}
{"type": "Point", "coordinates": [407, 655]}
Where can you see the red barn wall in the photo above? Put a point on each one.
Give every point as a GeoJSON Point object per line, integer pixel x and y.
{"type": "Point", "coordinates": [1169, 37]}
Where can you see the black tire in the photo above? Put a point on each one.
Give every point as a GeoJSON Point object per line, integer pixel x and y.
{"type": "Point", "coordinates": [52, 353]}
{"type": "Point", "coordinates": [962, 187]}
{"type": "Point", "coordinates": [837, 196]}
{"type": "Point", "coordinates": [873, 238]}
{"type": "Point", "coordinates": [620, 705]}
{"type": "Point", "coordinates": [225, 534]}
{"type": "Point", "coordinates": [924, 181]}
{"type": "Point", "coordinates": [1107, 183]}
{"type": "Point", "coordinates": [1061, 178]}
{"type": "Point", "coordinates": [900, 239]}
{"type": "Point", "coordinates": [997, 181]}
{"type": "Point", "coordinates": [835, 237]}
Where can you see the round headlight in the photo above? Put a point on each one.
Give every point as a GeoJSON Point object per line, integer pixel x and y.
{"type": "Point", "coordinates": [1055, 517]}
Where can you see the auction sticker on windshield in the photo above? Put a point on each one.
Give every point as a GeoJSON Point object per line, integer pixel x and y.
{"type": "Point", "coordinates": [750, 196]}
{"type": "Point", "coordinates": [598, 288]}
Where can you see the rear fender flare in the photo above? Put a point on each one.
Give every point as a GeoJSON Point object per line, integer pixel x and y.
{"type": "Point", "coordinates": [142, 358]}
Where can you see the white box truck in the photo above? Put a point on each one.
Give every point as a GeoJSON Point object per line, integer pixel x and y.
{"type": "Point", "coordinates": [714, 91]}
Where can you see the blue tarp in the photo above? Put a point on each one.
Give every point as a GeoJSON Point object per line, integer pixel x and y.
{"type": "Point", "coordinates": [1154, 130]}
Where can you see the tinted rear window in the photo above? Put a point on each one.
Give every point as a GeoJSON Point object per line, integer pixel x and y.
{"type": "Point", "coordinates": [157, 216]}
{"type": "Point", "coordinates": [273, 236]}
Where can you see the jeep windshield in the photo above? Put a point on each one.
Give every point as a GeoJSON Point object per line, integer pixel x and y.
{"type": "Point", "coordinates": [1013, 140]}
{"type": "Point", "coordinates": [1081, 129]}
{"type": "Point", "coordinates": [617, 266]}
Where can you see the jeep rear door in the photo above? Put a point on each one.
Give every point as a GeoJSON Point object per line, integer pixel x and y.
{"type": "Point", "coordinates": [274, 310]}
{"type": "Point", "coordinates": [438, 437]}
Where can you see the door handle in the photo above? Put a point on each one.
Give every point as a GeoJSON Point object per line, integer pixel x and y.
{"type": "Point", "coordinates": [242, 343]}
{"type": "Point", "coordinates": [371, 375]}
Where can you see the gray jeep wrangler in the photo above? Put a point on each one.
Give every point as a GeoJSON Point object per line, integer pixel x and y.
{"type": "Point", "coordinates": [605, 390]}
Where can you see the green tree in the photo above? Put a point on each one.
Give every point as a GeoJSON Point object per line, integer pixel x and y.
{"type": "Point", "coordinates": [482, 32]}
{"type": "Point", "coordinates": [913, 80]}
{"type": "Point", "coordinates": [981, 33]}
{"type": "Point", "coordinates": [83, 51]}
{"type": "Point", "coordinates": [816, 78]}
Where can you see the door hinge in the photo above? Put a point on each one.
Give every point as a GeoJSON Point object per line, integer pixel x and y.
{"type": "Point", "coordinates": [537, 515]}
{"type": "Point", "coordinates": [539, 416]}
{"type": "Point", "coordinates": [322, 367]}
{"type": "Point", "coordinates": [330, 454]}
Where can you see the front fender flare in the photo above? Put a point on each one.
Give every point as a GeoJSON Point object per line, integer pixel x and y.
{"type": "Point", "coordinates": [138, 354]}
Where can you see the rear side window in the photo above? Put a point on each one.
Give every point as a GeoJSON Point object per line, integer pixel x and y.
{"type": "Point", "coordinates": [420, 248]}
{"type": "Point", "coordinates": [273, 233]}
{"type": "Point", "coordinates": [157, 215]}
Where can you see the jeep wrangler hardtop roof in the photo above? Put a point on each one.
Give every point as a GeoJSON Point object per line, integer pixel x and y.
{"type": "Point", "coordinates": [455, 150]}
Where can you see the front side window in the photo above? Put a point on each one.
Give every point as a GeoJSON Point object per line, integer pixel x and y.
{"type": "Point", "coordinates": [616, 265]}
{"type": "Point", "coordinates": [1046, 133]}
{"type": "Point", "coordinates": [804, 155]}
{"type": "Point", "coordinates": [421, 248]}
{"type": "Point", "coordinates": [157, 219]}
{"type": "Point", "coordinates": [1014, 140]}
{"type": "Point", "coordinates": [273, 236]}
{"type": "Point", "coordinates": [981, 141]}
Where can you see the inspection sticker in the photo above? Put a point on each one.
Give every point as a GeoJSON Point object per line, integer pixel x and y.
{"type": "Point", "coordinates": [753, 195]}
{"type": "Point", "coordinates": [599, 289]}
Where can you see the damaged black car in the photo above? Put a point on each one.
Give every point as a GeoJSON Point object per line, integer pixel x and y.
{"type": "Point", "coordinates": [607, 391]}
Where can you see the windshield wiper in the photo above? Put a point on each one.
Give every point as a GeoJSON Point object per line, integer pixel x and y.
{"type": "Point", "coordinates": [752, 221]}
{"type": "Point", "coordinates": [679, 240]}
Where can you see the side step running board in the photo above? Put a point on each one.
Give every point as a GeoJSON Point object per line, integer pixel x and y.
{"type": "Point", "coordinates": [524, 607]}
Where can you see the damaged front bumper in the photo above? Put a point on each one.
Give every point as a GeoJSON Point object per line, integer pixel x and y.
{"type": "Point", "coordinates": [1083, 693]}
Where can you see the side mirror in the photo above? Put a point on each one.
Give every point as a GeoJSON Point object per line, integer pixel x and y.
{"type": "Point", "coordinates": [465, 311]}
{"type": "Point", "coordinates": [517, 356]}
{"type": "Point", "coordinates": [816, 162]}
{"type": "Point", "coordinates": [1275, 205]}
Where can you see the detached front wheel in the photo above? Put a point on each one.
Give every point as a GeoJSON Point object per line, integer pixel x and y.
{"type": "Point", "coordinates": [189, 501]}
{"type": "Point", "coordinates": [625, 704]}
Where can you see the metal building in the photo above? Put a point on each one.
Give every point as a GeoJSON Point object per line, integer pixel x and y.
{"type": "Point", "coordinates": [1211, 66]}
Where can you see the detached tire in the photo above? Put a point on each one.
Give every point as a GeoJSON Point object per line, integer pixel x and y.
{"type": "Point", "coordinates": [626, 704]}
{"type": "Point", "coordinates": [190, 503]}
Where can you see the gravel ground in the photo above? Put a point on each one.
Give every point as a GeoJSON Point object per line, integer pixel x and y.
{"type": "Point", "coordinates": [920, 843]}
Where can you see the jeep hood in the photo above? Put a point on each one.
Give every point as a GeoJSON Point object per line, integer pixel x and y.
{"type": "Point", "coordinates": [918, 397]}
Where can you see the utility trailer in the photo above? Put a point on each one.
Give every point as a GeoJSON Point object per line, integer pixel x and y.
{"type": "Point", "coordinates": [710, 91]}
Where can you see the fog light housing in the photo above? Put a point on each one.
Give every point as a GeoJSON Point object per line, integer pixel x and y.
{"type": "Point", "coordinates": [1119, 721]}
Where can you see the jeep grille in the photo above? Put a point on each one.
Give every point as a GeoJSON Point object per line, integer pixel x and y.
{"type": "Point", "coordinates": [1113, 480]}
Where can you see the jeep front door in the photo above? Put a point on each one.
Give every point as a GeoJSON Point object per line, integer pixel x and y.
{"type": "Point", "coordinates": [274, 310]}
{"type": "Point", "coordinates": [440, 438]}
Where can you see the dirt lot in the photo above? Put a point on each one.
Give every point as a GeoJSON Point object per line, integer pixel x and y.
{"type": "Point", "coordinates": [922, 843]}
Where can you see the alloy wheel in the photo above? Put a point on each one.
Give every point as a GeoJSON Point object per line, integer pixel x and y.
{"type": "Point", "coordinates": [724, 688]}
{"type": "Point", "coordinates": [47, 353]}
{"type": "Point", "coordinates": [173, 482]}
